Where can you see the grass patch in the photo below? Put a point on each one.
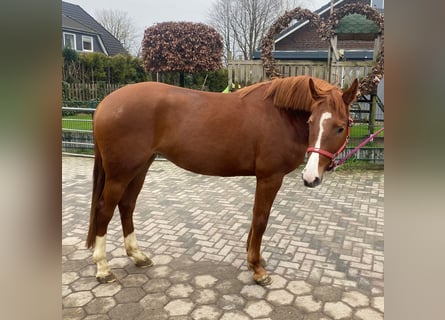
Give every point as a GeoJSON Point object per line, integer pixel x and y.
{"type": "Point", "coordinates": [78, 122]}
{"type": "Point", "coordinates": [355, 164]}
{"type": "Point", "coordinates": [360, 130]}
{"type": "Point", "coordinates": [79, 151]}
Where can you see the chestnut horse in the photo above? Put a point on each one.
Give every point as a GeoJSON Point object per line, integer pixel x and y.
{"type": "Point", "coordinates": [263, 130]}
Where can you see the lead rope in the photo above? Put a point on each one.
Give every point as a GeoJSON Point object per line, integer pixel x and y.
{"type": "Point", "coordinates": [355, 150]}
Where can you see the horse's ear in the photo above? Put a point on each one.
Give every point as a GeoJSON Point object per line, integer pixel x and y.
{"type": "Point", "coordinates": [314, 91]}
{"type": "Point", "coordinates": [351, 93]}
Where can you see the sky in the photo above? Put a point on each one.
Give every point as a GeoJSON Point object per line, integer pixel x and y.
{"type": "Point", "coordinates": [145, 13]}
{"type": "Point", "coordinates": [148, 12]}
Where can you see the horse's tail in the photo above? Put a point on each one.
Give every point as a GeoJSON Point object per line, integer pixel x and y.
{"type": "Point", "coordinates": [98, 187]}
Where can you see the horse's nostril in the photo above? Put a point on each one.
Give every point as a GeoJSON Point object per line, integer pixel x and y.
{"type": "Point", "coordinates": [312, 184]}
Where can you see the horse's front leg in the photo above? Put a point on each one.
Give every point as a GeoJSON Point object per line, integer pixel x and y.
{"type": "Point", "coordinates": [266, 190]}
{"type": "Point", "coordinates": [262, 260]}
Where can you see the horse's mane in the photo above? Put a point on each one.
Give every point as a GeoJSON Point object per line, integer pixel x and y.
{"type": "Point", "coordinates": [291, 92]}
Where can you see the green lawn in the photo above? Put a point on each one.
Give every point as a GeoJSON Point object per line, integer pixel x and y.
{"type": "Point", "coordinates": [359, 133]}
{"type": "Point", "coordinates": [78, 122]}
{"type": "Point", "coordinates": [360, 130]}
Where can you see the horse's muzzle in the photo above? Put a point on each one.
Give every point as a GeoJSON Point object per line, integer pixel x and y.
{"type": "Point", "coordinates": [312, 184]}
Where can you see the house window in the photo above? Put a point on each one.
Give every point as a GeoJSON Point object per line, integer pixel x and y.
{"type": "Point", "coordinates": [69, 40]}
{"type": "Point", "coordinates": [377, 4]}
{"type": "Point", "coordinates": [87, 43]}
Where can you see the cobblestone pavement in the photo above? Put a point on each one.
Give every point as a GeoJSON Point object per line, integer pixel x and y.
{"type": "Point", "coordinates": [324, 248]}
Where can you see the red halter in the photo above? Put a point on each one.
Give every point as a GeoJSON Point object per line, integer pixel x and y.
{"type": "Point", "coordinates": [330, 155]}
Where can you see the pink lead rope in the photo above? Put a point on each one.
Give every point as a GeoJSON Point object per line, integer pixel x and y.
{"type": "Point", "coordinates": [353, 151]}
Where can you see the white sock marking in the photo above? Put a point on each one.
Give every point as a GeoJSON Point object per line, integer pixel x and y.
{"type": "Point", "coordinates": [100, 257]}
{"type": "Point", "coordinates": [132, 248]}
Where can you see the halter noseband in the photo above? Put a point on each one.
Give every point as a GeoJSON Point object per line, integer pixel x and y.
{"type": "Point", "coordinates": [330, 155]}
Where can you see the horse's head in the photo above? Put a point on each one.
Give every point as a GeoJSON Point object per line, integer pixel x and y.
{"type": "Point", "coordinates": [328, 126]}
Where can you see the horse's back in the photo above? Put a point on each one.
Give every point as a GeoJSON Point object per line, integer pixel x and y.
{"type": "Point", "coordinates": [186, 126]}
{"type": "Point", "coordinates": [163, 108]}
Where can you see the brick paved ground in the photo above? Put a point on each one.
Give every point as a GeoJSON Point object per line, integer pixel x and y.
{"type": "Point", "coordinates": [324, 248]}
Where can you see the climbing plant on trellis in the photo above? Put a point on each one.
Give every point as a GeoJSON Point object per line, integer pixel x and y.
{"type": "Point", "coordinates": [279, 25]}
{"type": "Point", "coordinates": [326, 30]}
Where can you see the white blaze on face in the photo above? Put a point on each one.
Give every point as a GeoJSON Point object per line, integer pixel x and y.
{"type": "Point", "coordinates": [310, 172]}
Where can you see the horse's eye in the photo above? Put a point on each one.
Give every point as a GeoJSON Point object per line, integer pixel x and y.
{"type": "Point", "coordinates": [340, 130]}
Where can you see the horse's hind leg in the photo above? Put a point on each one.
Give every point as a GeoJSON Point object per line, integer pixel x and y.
{"type": "Point", "coordinates": [112, 193]}
{"type": "Point", "coordinates": [126, 209]}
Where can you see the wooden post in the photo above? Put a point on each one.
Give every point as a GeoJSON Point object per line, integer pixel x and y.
{"type": "Point", "coordinates": [372, 109]}
{"type": "Point", "coordinates": [377, 46]}
{"type": "Point", "coordinates": [229, 68]}
{"type": "Point", "coordinates": [329, 63]}
{"type": "Point", "coordinates": [336, 55]}
{"type": "Point", "coordinates": [329, 47]}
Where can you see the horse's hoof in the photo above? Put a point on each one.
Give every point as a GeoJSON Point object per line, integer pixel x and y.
{"type": "Point", "coordinates": [107, 279]}
{"type": "Point", "coordinates": [264, 280]}
{"type": "Point", "coordinates": [144, 263]}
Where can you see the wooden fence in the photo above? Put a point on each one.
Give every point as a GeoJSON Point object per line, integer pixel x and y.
{"type": "Point", "coordinates": [87, 91]}
{"type": "Point", "coordinates": [342, 73]}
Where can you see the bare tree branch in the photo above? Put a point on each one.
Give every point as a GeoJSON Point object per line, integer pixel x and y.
{"type": "Point", "coordinates": [121, 26]}
{"type": "Point", "coordinates": [244, 22]}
